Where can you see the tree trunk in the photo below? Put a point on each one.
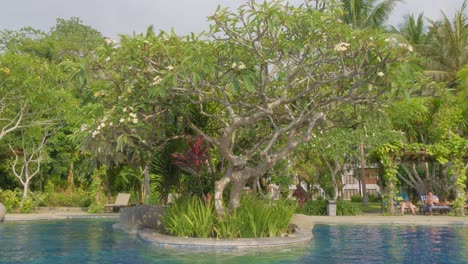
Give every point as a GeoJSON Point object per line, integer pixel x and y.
{"type": "Point", "coordinates": [218, 195]}
{"type": "Point", "coordinates": [25, 193]}
{"type": "Point", "coordinates": [335, 187]}
{"type": "Point", "coordinates": [391, 198]}
{"type": "Point", "coordinates": [236, 193]}
{"type": "Point", "coordinates": [70, 178]}
{"type": "Point", "coordinates": [147, 185]}
{"type": "Point", "coordinates": [365, 199]}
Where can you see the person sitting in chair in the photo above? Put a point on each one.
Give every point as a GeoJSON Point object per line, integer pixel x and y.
{"type": "Point", "coordinates": [431, 200]}
{"type": "Point", "coordinates": [407, 204]}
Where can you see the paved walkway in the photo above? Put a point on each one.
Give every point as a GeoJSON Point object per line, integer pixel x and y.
{"type": "Point", "coordinates": [380, 219]}
{"type": "Point", "coordinates": [57, 215]}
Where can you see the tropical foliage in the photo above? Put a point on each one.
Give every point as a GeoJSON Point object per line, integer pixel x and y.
{"type": "Point", "coordinates": [270, 93]}
{"type": "Point", "coordinates": [192, 217]}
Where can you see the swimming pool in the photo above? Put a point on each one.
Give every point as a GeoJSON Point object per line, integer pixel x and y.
{"type": "Point", "coordinates": [95, 241]}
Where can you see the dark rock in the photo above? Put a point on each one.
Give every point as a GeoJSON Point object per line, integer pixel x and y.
{"type": "Point", "coordinates": [292, 228]}
{"type": "Point", "coordinates": [140, 217]}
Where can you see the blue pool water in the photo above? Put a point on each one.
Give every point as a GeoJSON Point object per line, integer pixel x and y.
{"type": "Point", "coordinates": [94, 241]}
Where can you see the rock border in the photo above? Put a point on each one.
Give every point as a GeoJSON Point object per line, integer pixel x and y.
{"type": "Point", "coordinates": [165, 241]}
{"type": "Point", "coordinates": [2, 212]}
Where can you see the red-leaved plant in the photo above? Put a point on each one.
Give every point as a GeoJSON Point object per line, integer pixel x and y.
{"type": "Point", "coordinates": [193, 160]}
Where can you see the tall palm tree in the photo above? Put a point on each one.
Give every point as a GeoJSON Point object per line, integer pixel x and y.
{"type": "Point", "coordinates": [448, 51]}
{"type": "Point", "coordinates": [367, 13]}
{"type": "Point", "coordinates": [414, 30]}
{"type": "Point", "coordinates": [362, 14]}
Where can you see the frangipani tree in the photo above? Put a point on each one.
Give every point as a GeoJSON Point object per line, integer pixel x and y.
{"type": "Point", "coordinates": [267, 76]}
{"type": "Point", "coordinates": [283, 72]}
{"type": "Point", "coordinates": [131, 114]}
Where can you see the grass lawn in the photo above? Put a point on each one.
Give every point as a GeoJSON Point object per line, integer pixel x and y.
{"type": "Point", "coordinates": [371, 208]}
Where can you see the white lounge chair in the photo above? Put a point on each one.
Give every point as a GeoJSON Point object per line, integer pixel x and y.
{"type": "Point", "coordinates": [442, 209]}
{"type": "Point", "coordinates": [121, 201]}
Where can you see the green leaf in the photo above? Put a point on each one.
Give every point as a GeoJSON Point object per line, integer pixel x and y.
{"type": "Point", "coordinates": [235, 84]}
{"type": "Point", "coordinates": [248, 84]}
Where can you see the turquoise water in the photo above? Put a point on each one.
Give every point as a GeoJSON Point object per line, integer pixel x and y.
{"type": "Point", "coordinates": [94, 241]}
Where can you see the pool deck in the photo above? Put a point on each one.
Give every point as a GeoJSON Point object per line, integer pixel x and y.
{"type": "Point", "coordinates": [57, 216]}
{"type": "Point", "coordinates": [377, 219]}
{"type": "Point", "coordinates": [303, 220]}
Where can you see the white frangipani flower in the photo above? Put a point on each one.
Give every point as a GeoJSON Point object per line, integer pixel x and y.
{"type": "Point", "coordinates": [95, 133]}
{"type": "Point", "coordinates": [127, 109]}
{"type": "Point", "coordinates": [342, 46]}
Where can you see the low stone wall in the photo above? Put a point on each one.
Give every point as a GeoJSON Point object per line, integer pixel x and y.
{"type": "Point", "coordinates": [300, 237]}
{"type": "Point", "coordinates": [144, 221]}
{"type": "Point", "coordinates": [2, 212]}
{"type": "Point", "coordinates": [46, 210]}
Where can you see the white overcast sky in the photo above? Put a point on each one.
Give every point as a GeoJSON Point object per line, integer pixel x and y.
{"type": "Point", "coordinates": [113, 17]}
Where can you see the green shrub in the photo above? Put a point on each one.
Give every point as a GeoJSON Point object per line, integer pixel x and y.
{"type": "Point", "coordinates": [96, 193]}
{"type": "Point", "coordinates": [189, 218]}
{"type": "Point", "coordinates": [28, 206]}
{"type": "Point", "coordinates": [261, 218]}
{"type": "Point", "coordinates": [38, 198]}
{"type": "Point", "coordinates": [313, 207]}
{"type": "Point", "coordinates": [280, 214]}
{"type": "Point", "coordinates": [374, 198]}
{"type": "Point", "coordinates": [255, 218]}
{"type": "Point", "coordinates": [49, 187]}
{"type": "Point", "coordinates": [229, 226]}
{"type": "Point", "coordinates": [347, 208]}
{"type": "Point", "coordinates": [79, 198]}
{"type": "Point", "coordinates": [356, 199]}
{"type": "Point", "coordinates": [10, 199]}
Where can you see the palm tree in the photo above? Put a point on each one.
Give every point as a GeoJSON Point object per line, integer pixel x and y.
{"type": "Point", "coordinates": [366, 13]}
{"type": "Point", "coordinates": [361, 14]}
{"type": "Point", "coordinates": [413, 30]}
{"type": "Point", "coordinates": [448, 51]}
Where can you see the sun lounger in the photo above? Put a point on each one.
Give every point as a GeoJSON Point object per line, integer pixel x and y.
{"type": "Point", "coordinates": [121, 201]}
{"type": "Point", "coordinates": [442, 209]}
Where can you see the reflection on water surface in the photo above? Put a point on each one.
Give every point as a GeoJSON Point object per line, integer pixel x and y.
{"type": "Point", "coordinates": [94, 241]}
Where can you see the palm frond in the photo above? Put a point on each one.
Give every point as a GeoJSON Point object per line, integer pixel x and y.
{"type": "Point", "coordinates": [414, 30]}
{"type": "Point", "coordinates": [448, 45]}
{"type": "Point", "coordinates": [380, 13]}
